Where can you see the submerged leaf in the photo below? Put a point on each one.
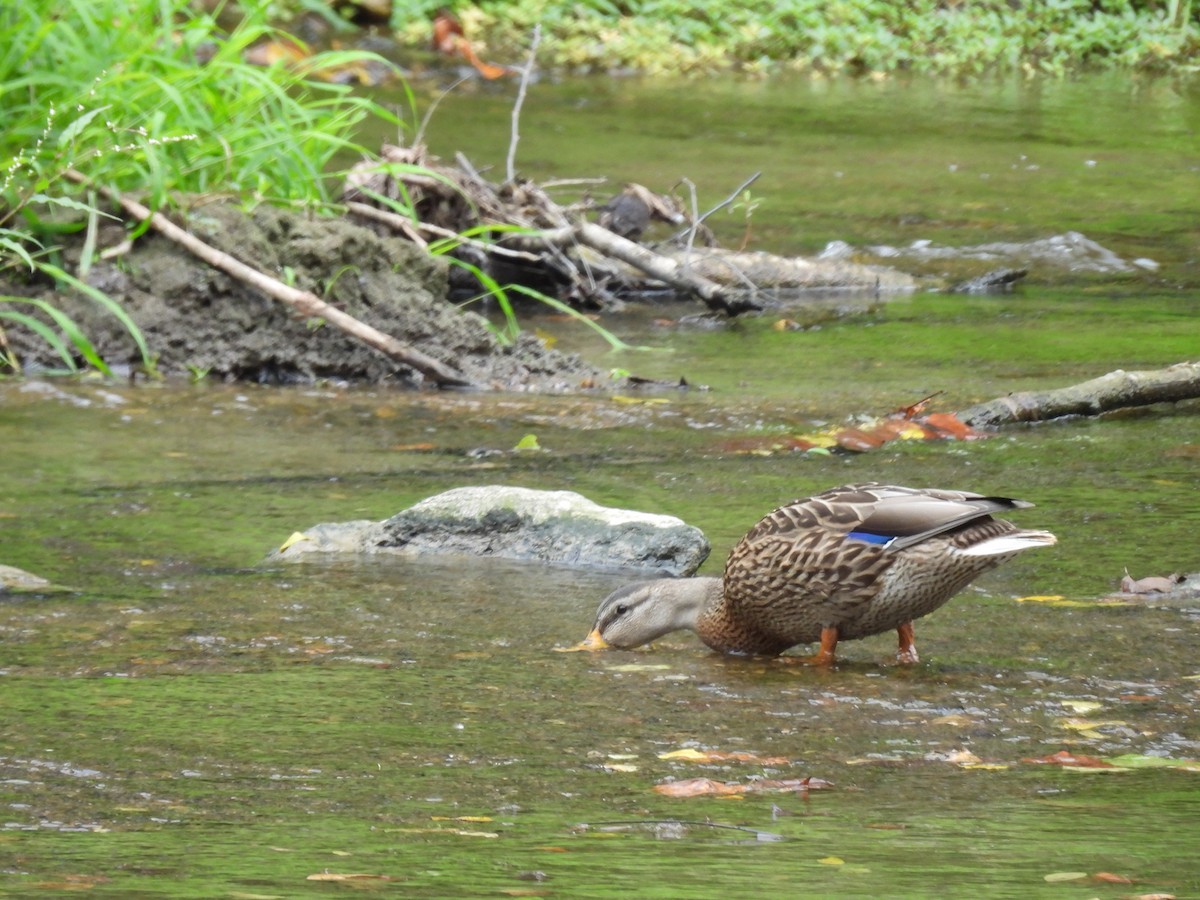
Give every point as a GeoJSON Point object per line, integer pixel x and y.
{"type": "Point", "coordinates": [690, 754]}
{"type": "Point", "coordinates": [706, 787]}
{"type": "Point", "coordinates": [1067, 759]}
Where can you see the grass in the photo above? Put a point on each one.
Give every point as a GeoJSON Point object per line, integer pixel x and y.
{"type": "Point", "coordinates": [152, 97]}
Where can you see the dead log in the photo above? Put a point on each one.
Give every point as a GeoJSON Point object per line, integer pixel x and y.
{"type": "Point", "coordinates": [663, 268]}
{"type": "Point", "coordinates": [1116, 390]}
{"type": "Point", "coordinates": [304, 302]}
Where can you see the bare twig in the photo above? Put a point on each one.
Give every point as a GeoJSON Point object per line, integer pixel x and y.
{"type": "Point", "coordinates": [526, 74]}
{"type": "Point", "coordinates": [392, 220]}
{"type": "Point", "coordinates": [303, 302]}
{"type": "Point", "coordinates": [729, 199]}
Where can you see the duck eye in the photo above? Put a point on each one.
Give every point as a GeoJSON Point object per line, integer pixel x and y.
{"type": "Point", "coordinates": [622, 609]}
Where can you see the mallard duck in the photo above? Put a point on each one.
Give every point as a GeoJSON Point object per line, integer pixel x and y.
{"type": "Point", "coordinates": [853, 561]}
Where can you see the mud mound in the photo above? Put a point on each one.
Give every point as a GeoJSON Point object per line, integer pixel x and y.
{"type": "Point", "coordinates": [198, 319]}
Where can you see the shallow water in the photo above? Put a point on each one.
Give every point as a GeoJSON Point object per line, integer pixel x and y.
{"type": "Point", "coordinates": [186, 722]}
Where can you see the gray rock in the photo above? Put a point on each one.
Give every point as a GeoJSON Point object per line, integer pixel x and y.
{"type": "Point", "coordinates": [559, 527]}
{"type": "Point", "coordinates": [17, 580]}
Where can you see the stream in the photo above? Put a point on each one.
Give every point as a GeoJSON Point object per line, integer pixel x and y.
{"type": "Point", "coordinates": [178, 719]}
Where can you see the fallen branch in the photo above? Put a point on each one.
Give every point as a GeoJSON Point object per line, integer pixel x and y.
{"type": "Point", "coordinates": [1115, 390]}
{"type": "Point", "coordinates": [659, 267]}
{"type": "Point", "coordinates": [304, 302]}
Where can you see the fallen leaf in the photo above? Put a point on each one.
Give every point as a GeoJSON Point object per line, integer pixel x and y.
{"type": "Point", "coordinates": [710, 756]}
{"type": "Point", "coordinates": [963, 758]}
{"type": "Point", "coordinates": [296, 538]}
{"type": "Point", "coordinates": [1082, 706]}
{"type": "Point", "coordinates": [831, 861]}
{"type": "Point", "coordinates": [1068, 759]}
{"type": "Point", "coordinates": [1055, 877]}
{"type": "Point", "coordinates": [638, 667]}
{"type": "Point", "coordinates": [700, 787]}
{"type": "Point", "coordinates": [461, 818]}
{"type": "Point", "coordinates": [1151, 584]}
{"type": "Point", "coordinates": [1111, 878]}
{"type": "Point", "coordinates": [529, 442]}
{"type": "Point", "coordinates": [347, 876]}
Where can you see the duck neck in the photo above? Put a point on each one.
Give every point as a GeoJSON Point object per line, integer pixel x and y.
{"type": "Point", "coordinates": [700, 604]}
{"type": "Point", "coordinates": [725, 632]}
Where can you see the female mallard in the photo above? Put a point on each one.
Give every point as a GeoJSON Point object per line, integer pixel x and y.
{"type": "Point", "coordinates": [854, 561]}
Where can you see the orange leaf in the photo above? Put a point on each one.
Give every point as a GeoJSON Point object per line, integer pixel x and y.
{"type": "Point", "coordinates": [698, 787]}
{"type": "Point", "coordinates": [1110, 878]}
{"type": "Point", "coordinates": [1067, 758]}
{"type": "Point", "coordinates": [858, 440]}
{"type": "Point", "coordinates": [948, 425]}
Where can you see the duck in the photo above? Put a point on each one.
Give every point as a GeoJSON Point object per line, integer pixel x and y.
{"type": "Point", "coordinates": [853, 561]}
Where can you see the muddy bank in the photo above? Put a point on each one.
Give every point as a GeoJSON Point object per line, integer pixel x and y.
{"type": "Point", "coordinates": [198, 320]}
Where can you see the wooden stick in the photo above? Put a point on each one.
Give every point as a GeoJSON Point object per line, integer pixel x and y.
{"type": "Point", "coordinates": [1115, 390]}
{"type": "Point", "coordinates": [660, 267]}
{"type": "Point", "coordinates": [526, 73]}
{"type": "Point", "coordinates": [304, 302]}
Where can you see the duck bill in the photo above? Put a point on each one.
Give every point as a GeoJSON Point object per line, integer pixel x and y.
{"type": "Point", "coordinates": [592, 642]}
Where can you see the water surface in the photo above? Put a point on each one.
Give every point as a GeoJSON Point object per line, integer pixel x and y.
{"type": "Point", "coordinates": [186, 722]}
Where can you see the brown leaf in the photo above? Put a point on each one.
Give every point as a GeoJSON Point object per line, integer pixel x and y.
{"type": "Point", "coordinates": [1067, 758]}
{"type": "Point", "coordinates": [711, 756]}
{"type": "Point", "coordinates": [1151, 584]}
{"type": "Point", "coordinates": [706, 787]}
{"type": "Point", "coordinates": [1110, 878]}
{"type": "Point", "coordinates": [948, 425]}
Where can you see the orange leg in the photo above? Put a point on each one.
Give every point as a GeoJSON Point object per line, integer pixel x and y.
{"type": "Point", "coordinates": [826, 656]}
{"type": "Point", "coordinates": [907, 652]}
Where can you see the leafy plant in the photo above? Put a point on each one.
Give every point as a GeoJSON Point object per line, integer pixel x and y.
{"type": "Point", "coordinates": [148, 96]}
{"type": "Point", "coordinates": [854, 36]}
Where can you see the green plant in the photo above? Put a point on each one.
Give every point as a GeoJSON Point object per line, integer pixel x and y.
{"type": "Point", "coordinates": [148, 96]}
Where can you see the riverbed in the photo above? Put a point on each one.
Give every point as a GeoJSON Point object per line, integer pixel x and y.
{"type": "Point", "coordinates": [180, 720]}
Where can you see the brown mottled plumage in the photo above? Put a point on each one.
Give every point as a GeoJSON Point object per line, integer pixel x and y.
{"type": "Point", "coordinates": [850, 562]}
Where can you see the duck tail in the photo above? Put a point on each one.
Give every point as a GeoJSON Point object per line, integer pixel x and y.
{"type": "Point", "coordinates": [1011, 543]}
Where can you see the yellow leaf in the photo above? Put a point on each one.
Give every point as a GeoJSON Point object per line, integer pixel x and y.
{"type": "Point", "coordinates": [620, 398]}
{"type": "Point", "coordinates": [831, 861]}
{"type": "Point", "coordinates": [548, 340]}
{"type": "Point", "coordinates": [296, 538]}
{"type": "Point", "coordinates": [1084, 724]}
{"type": "Point", "coordinates": [1082, 706]}
{"type": "Point", "coordinates": [1064, 876]}
{"type": "Point", "coordinates": [1041, 598]}
{"type": "Point", "coordinates": [689, 753]}
{"type": "Point", "coordinates": [529, 442]}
